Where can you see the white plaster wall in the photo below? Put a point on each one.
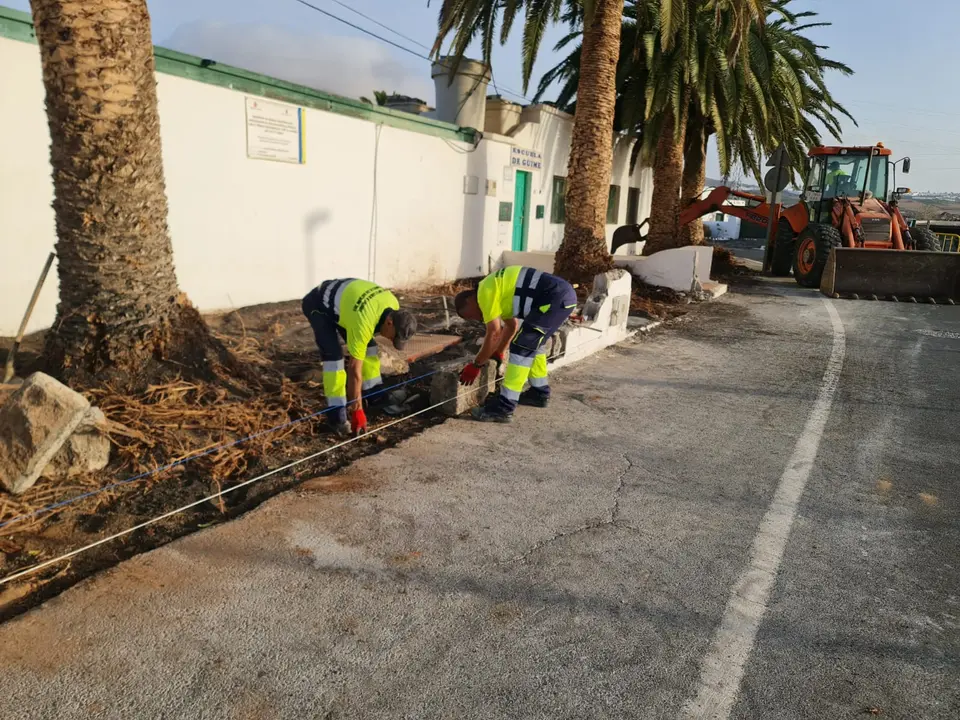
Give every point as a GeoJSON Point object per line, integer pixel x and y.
{"type": "Point", "coordinates": [371, 201]}
{"type": "Point", "coordinates": [27, 229]}
{"type": "Point", "coordinates": [270, 231]}
{"type": "Point", "coordinates": [727, 229]}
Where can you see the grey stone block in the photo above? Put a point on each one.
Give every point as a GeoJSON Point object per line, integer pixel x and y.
{"type": "Point", "coordinates": [86, 451]}
{"type": "Point", "coordinates": [445, 385]}
{"type": "Point", "coordinates": [35, 422]}
{"type": "Point", "coordinates": [391, 362]}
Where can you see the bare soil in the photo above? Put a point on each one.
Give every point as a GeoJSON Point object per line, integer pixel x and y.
{"type": "Point", "coordinates": [171, 421]}
{"type": "Point", "coordinates": [174, 419]}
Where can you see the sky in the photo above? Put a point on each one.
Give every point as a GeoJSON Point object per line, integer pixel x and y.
{"type": "Point", "coordinates": [902, 92]}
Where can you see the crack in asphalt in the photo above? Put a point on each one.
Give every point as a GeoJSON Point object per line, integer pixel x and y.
{"type": "Point", "coordinates": [612, 519]}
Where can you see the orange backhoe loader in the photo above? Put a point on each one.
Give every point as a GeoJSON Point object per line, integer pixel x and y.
{"type": "Point", "coordinates": [847, 235]}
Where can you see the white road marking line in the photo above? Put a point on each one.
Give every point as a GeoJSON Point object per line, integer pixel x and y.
{"type": "Point", "coordinates": [723, 666]}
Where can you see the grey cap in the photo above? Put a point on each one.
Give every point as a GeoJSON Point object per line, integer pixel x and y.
{"type": "Point", "coordinates": [405, 325]}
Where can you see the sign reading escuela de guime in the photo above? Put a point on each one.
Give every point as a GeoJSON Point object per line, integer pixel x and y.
{"type": "Point", "coordinates": [524, 159]}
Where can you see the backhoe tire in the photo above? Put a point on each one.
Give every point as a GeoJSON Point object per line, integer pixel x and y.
{"type": "Point", "coordinates": [924, 239]}
{"type": "Point", "coordinates": [813, 247]}
{"type": "Point", "coordinates": [783, 250]}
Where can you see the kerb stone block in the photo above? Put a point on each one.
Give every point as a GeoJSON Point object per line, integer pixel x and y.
{"type": "Point", "coordinates": [445, 386]}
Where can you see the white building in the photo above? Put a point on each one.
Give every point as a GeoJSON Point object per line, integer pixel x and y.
{"type": "Point", "coordinates": [720, 225]}
{"type": "Point", "coordinates": [352, 190]}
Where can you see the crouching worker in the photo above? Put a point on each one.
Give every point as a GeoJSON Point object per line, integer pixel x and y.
{"type": "Point", "coordinates": [355, 310]}
{"type": "Point", "coordinates": [502, 300]}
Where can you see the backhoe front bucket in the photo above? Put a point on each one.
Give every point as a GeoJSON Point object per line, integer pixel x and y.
{"type": "Point", "coordinates": [905, 275]}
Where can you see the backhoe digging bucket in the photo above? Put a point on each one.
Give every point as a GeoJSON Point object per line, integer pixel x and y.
{"type": "Point", "coordinates": [904, 275]}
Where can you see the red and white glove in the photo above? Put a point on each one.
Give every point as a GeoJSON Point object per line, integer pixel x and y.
{"type": "Point", "coordinates": [358, 421]}
{"type": "Point", "coordinates": [469, 375]}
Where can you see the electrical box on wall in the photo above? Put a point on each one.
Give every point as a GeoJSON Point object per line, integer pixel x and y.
{"type": "Point", "coordinates": [471, 184]}
{"type": "Point", "coordinates": [491, 188]}
{"type": "Point", "coordinates": [539, 212]}
{"type": "Point", "coordinates": [506, 212]}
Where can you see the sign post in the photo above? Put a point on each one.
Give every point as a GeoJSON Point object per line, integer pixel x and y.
{"type": "Point", "coordinates": [775, 181]}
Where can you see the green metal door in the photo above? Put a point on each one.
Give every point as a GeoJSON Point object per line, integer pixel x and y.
{"type": "Point", "coordinates": [521, 197]}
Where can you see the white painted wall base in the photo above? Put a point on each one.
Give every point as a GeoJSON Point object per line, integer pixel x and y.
{"type": "Point", "coordinates": [537, 259]}
{"type": "Point", "coordinates": [605, 320]}
{"type": "Point", "coordinates": [672, 269]}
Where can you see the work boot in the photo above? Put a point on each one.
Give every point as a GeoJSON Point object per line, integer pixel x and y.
{"type": "Point", "coordinates": [534, 398]}
{"type": "Point", "coordinates": [485, 414]}
{"type": "Point", "coordinates": [338, 423]}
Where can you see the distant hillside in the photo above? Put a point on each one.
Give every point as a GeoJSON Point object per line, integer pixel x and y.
{"type": "Point", "coordinates": [750, 187]}
{"type": "Point", "coordinates": [923, 209]}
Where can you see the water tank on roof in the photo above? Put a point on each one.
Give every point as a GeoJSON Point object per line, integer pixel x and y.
{"type": "Point", "coordinates": [462, 99]}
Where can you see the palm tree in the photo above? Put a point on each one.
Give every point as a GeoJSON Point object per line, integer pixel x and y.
{"type": "Point", "coordinates": [767, 93]}
{"type": "Point", "coordinates": [769, 100]}
{"type": "Point", "coordinates": [380, 97]}
{"type": "Point", "coordinates": [654, 87]}
{"type": "Point", "coordinates": [584, 250]}
{"type": "Point", "coordinates": [792, 71]}
{"type": "Point", "coordinates": [120, 305]}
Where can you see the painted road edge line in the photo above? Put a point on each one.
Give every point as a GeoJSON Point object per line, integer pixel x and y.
{"type": "Point", "coordinates": [722, 670]}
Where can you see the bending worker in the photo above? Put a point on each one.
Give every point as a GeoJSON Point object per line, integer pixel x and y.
{"type": "Point", "coordinates": [355, 310]}
{"type": "Point", "coordinates": [502, 300]}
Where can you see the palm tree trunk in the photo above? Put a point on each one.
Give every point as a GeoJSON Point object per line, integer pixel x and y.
{"type": "Point", "coordinates": [665, 202]}
{"type": "Point", "coordinates": [694, 177]}
{"type": "Point", "coordinates": [119, 300]}
{"type": "Point", "coordinates": [583, 252]}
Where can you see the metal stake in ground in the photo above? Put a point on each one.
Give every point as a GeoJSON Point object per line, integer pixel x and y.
{"type": "Point", "coordinates": [774, 181]}
{"type": "Point", "coordinates": [8, 371]}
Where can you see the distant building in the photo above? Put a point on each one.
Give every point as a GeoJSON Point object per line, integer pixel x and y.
{"type": "Point", "coordinates": [720, 225]}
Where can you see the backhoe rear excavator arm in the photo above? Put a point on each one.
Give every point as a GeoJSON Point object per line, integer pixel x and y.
{"type": "Point", "coordinates": [758, 215]}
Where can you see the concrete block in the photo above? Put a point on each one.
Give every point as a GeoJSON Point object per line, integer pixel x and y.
{"type": "Point", "coordinates": [609, 301]}
{"type": "Point", "coordinates": [391, 361]}
{"type": "Point", "coordinates": [445, 385]}
{"type": "Point", "coordinates": [86, 451]}
{"type": "Point", "coordinates": [673, 268]}
{"type": "Point", "coordinates": [714, 289]}
{"type": "Point", "coordinates": [619, 310]}
{"type": "Point", "coordinates": [537, 259]}
{"type": "Point", "coordinates": [35, 422]}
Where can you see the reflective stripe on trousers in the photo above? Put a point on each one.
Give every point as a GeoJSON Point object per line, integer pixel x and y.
{"type": "Point", "coordinates": [538, 371]}
{"type": "Point", "coordinates": [528, 351]}
{"type": "Point", "coordinates": [335, 383]}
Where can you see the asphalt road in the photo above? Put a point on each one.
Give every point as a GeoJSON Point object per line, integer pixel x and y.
{"type": "Point", "coordinates": [753, 515]}
{"type": "Point", "coordinates": [747, 248]}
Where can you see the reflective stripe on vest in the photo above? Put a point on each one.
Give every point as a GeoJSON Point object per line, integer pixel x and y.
{"type": "Point", "coordinates": [523, 294]}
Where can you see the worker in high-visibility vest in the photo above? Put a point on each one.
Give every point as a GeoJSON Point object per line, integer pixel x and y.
{"type": "Point", "coordinates": [502, 301]}
{"type": "Point", "coordinates": [355, 310]}
{"type": "Point", "coordinates": [835, 176]}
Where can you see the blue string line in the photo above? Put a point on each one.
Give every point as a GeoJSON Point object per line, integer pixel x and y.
{"type": "Point", "coordinates": [189, 458]}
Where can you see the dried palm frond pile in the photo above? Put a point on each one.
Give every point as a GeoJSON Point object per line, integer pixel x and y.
{"type": "Point", "coordinates": [214, 430]}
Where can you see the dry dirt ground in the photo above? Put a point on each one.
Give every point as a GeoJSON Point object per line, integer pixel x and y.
{"type": "Point", "coordinates": [135, 487]}
{"type": "Point", "coordinates": [750, 517]}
